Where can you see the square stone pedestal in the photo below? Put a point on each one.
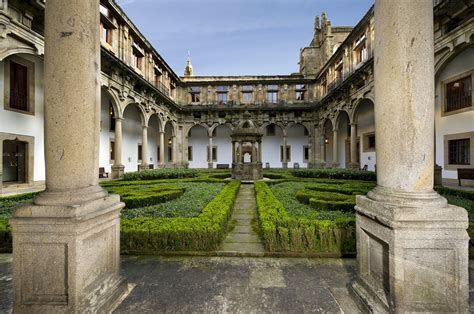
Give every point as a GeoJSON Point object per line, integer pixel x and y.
{"type": "Point", "coordinates": [66, 258]}
{"type": "Point", "coordinates": [412, 258]}
{"type": "Point", "coordinates": [117, 171]}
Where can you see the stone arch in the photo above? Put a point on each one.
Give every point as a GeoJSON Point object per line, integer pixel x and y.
{"type": "Point", "coordinates": [278, 124]}
{"type": "Point", "coordinates": [216, 125]}
{"type": "Point", "coordinates": [292, 124]}
{"type": "Point", "coordinates": [339, 116]}
{"type": "Point", "coordinates": [20, 50]}
{"type": "Point", "coordinates": [115, 101]}
{"type": "Point", "coordinates": [173, 126]}
{"type": "Point", "coordinates": [190, 126]}
{"type": "Point", "coordinates": [140, 108]}
{"type": "Point", "coordinates": [353, 116]}
{"type": "Point", "coordinates": [452, 54]}
{"type": "Point", "coordinates": [327, 133]}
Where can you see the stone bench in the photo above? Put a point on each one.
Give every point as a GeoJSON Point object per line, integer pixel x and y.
{"type": "Point", "coordinates": [466, 174]}
{"type": "Point", "coordinates": [222, 166]}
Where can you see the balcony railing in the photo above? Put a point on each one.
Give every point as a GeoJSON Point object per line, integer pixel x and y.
{"type": "Point", "coordinates": [161, 87]}
{"type": "Point", "coordinates": [18, 100]}
{"type": "Point", "coordinates": [456, 102]}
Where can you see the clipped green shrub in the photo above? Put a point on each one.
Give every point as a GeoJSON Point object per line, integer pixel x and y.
{"type": "Point", "coordinates": [136, 201]}
{"type": "Point", "coordinates": [455, 192]}
{"type": "Point", "coordinates": [7, 203]}
{"type": "Point", "coordinates": [334, 173]}
{"type": "Point", "coordinates": [157, 174]}
{"type": "Point", "coordinates": [5, 236]}
{"type": "Point", "coordinates": [283, 232]}
{"type": "Point", "coordinates": [205, 232]}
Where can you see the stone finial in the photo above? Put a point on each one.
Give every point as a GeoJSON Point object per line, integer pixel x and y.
{"type": "Point", "coordinates": [188, 71]}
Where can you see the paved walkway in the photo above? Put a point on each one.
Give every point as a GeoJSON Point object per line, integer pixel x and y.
{"type": "Point", "coordinates": [242, 239]}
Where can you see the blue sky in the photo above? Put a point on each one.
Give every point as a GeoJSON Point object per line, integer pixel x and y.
{"type": "Point", "coordinates": [236, 37]}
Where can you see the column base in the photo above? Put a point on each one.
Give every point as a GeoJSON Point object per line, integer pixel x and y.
{"type": "Point", "coordinates": [335, 165]}
{"type": "Point", "coordinates": [210, 165]}
{"type": "Point", "coordinates": [66, 257]}
{"type": "Point", "coordinates": [438, 175]}
{"type": "Point", "coordinates": [412, 253]}
{"type": "Point", "coordinates": [284, 165]}
{"type": "Point", "coordinates": [117, 171]}
{"type": "Point", "coordinates": [354, 165]}
{"type": "Point", "coordinates": [143, 167]}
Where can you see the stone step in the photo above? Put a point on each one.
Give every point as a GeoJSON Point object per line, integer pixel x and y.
{"type": "Point", "coordinates": [242, 237]}
{"type": "Point", "coordinates": [244, 247]}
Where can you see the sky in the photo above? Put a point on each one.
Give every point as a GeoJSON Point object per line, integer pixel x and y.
{"type": "Point", "coordinates": [236, 37]}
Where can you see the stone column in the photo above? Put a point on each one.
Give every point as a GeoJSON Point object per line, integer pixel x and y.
{"type": "Point", "coordinates": [233, 151]}
{"type": "Point", "coordinates": [353, 162]}
{"type": "Point", "coordinates": [162, 149]}
{"type": "Point", "coordinates": [66, 243]}
{"type": "Point", "coordinates": [412, 246]}
{"type": "Point", "coordinates": [260, 151]}
{"type": "Point", "coordinates": [117, 167]}
{"type": "Point", "coordinates": [240, 157]}
{"type": "Point", "coordinates": [335, 149]}
{"type": "Point", "coordinates": [173, 150]}
{"type": "Point", "coordinates": [285, 160]}
{"type": "Point", "coordinates": [144, 164]}
{"type": "Point", "coordinates": [210, 163]}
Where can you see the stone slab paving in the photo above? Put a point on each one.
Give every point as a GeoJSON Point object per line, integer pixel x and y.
{"type": "Point", "coordinates": [228, 285]}
{"type": "Point", "coordinates": [243, 239]}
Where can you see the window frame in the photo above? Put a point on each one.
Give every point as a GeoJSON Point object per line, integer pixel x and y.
{"type": "Point", "coordinates": [458, 136]}
{"type": "Point", "coordinates": [31, 87]}
{"type": "Point", "coordinates": [443, 90]}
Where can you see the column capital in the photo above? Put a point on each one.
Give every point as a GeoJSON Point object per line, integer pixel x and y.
{"type": "Point", "coordinates": [335, 130]}
{"type": "Point", "coordinates": [119, 119]}
{"type": "Point", "coordinates": [353, 124]}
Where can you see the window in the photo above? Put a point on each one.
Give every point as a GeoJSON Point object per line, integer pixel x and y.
{"type": "Point", "coordinates": [18, 86]}
{"type": "Point", "coordinates": [158, 74]}
{"type": "Point", "coordinates": [300, 91]}
{"type": "Point", "coordinates": [139, 152]}
{"type": "Point", "coordinates": [172, 89]}
{"type": "Point", "coordinates": [459, 151]}
{"type": "Point", "coordinates": [288, 153]}
{"type": "Point", "coordinates": [458, 94]}
{"type": "Point", "coordinates": [190, 153]}
{"type": "Point", "coordinates": [272, 94]}
{"type": "Point", "coordinates": [361, 54]}
{"type": "Point", "coordinates": [111, 118]}
{"type": "Point", "coordinates": [214, 153]}
{"type": "Point", "coordinates": [272, 97]}
{"type": "Point", "coordinates": [195, 92]}
{"type": "Point", "coordinates": [247, 93]}
{"type": "Point", "coordinates": [158, 153]}
{"type": "Point", "coordinates": [112, 151]}
{"type": "Point", "coordinates": [271, 130]}
{"type": "Point", "coordinates": [137, 56]}
{"type": "Point", "coordinates": [369, 142]}
{"type": "Point", "coordinates": [105, 33]}
{"type": "Point", "coordinates": [221, 94]}
{"type": "Point", "coordinates": [305, 153]}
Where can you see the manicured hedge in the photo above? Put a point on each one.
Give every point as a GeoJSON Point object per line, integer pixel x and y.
{"type": "Point", "coordinates": [143, 195]}
{"type": "Point", "coordinates": [282, 232]}
{"type": "Point", "coordinates": [157, 174]}
{"type": "Point", "coordinates": [455, 192]}
{"type": "Point", "coordinates": [205, 232]}
{"type": "Point", "coordinates": [333, 173]}
{"type": "Point", "coordinates": [5, 236]}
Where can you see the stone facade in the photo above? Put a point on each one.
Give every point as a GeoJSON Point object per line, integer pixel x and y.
{"type": "Point", "coordinates": [324, 115]}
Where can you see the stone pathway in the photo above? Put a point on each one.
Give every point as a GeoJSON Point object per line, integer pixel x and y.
{"type": "Point", "coordinates": [243, 240]}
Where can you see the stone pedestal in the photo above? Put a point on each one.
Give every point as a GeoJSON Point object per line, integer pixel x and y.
{"type": "Point", "coordinates": [412, 253]}
{"type": "Point", "coordinates": [210, 165]}
{"type": "Point", "coordinates": [284, 165]}
{"type": "Point", "coordinates": [143, 167]}
{"type": "Point", "coordinates": [354, 165]}
{"type": "Point", "coordinates": [69, 262]}
{"type": "Point", "coordinates": [117, 171]}
{"type": "Point", "coordinates": [247, 172]}
{"type": "Point", "coordinates": [438, 175]}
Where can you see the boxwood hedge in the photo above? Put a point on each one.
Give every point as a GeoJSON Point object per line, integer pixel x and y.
{"type": "Point", "coordinates": [333, 173]}
{"type": "Point", "coordinates": [156, 174]}
{"type": "Point", "coordinates": [205, 232]}
{"type": "Point", "coordinates": [282, 232]}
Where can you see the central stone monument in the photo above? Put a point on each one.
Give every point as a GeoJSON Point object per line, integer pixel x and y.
{"type": "Point", "coordinates": [246, 151]}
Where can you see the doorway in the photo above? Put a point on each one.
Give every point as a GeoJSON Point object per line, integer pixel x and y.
{"type": "Point", "coordinates": [14, 161]}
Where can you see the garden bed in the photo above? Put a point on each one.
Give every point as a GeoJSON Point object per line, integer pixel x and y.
{"type": "Point", "coordinates": [161, 215]}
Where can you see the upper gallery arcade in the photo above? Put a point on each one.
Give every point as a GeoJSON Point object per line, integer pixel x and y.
{"type": "Point", "coordinates": [321, 116]}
